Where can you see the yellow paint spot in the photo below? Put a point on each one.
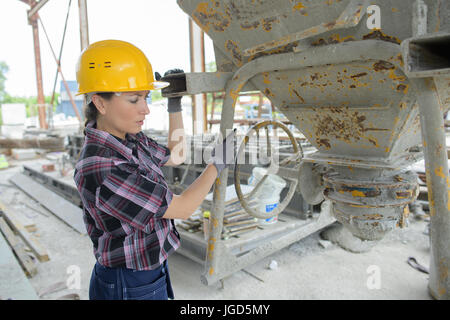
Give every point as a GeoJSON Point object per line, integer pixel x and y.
{"type": "Point", "coordinates": [235, 94]}
{"type": "Point", "coordinates": [394, 77]}
{"type": "Point", "coordinates": [211, 247]}
{"type": "Point", "coordinates": [298, 6]}
{"type": "Point", "coordinates": [439, 172]}
{"type": "Point", "coordinates": [266, 79]}
{"type": "Point", "coordinates": [387, 149]}
{"type": "Point", "coordinates": [211, 271]}
{"type": "Point", "coordinates": [357, 193]}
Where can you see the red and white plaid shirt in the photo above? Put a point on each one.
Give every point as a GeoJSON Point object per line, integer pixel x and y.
{"type": "Point", "coordinates": [124, 197]}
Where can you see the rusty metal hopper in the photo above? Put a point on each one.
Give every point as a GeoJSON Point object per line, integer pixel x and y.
{"type": "Point", "coordinates": [349, 90]}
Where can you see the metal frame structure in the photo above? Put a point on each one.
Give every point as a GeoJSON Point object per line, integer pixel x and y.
{"type": "Point", "coordinates": [257, 42]}
{"type": "Point", "coordinates": [266, 41]}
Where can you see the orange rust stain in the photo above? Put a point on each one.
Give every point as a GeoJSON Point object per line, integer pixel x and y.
{"type": "Point", "coordinates": [268, 92]}
{"type": "Point", "coordinates": [266, 79]}
{"type": "Point", "coordinates": [359, 206]}
{"type": "Point", "coordinates": [211, 246]}
{"type": "Point", "coordinates": [379, 35]}
{"type": "Point", "coordinates": [234, 94]}
{"type": "Point", "coordinates": [213, 18]}
{"type": "Point", "coordinates": [439, 172]}
{"type": "Point", "coordinates": [395, 77]}
{"type": "Point", "coordinates": [403, 195]}
{"type": "Point", "coordinates": [357, 193]}
{"type": "Point", "coordinates": [298, 6]}
{"type": "Point", "coordinates": [232, 47]}
{"type": "Point", "coordinates": [403, 87]}
{"type": "Point", "coordinates": [267, 23]}
{"type": "Point", "coordinates": [249, 25]}
{"type": "Point", "coordinates": [443, 270]}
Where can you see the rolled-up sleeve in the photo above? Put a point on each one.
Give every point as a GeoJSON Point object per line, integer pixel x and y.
{"type": "Point", "coordinates": [133, 198]}
{"type": "Point", "coordinates": [160, 153]}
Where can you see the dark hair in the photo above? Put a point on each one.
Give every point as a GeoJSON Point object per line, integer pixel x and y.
{"type": "Point", "coordinates": [90, 111]}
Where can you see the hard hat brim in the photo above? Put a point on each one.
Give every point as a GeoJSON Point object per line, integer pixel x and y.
{"type": "Point", "coordinates": [156, 85]}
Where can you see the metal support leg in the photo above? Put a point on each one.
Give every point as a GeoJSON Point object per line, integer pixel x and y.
{"type": "Point", "coordinates": [220, 186]}
{"type": "Point", "coordinates": [438, 183]}
{"type": "Point", "coordinates": [339, 53]}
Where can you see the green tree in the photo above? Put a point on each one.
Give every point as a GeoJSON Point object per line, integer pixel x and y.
{"type": "Point", "coordinates": [3, 71]}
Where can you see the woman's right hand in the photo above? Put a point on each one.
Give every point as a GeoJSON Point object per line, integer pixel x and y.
{"type": "Point", "coordinates": [222, 155]}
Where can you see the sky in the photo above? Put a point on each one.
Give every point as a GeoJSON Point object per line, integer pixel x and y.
{"type": "Point", "coordinates": [159, 28]}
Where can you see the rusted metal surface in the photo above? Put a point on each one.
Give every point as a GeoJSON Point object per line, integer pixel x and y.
{"type": "Point", "coordinates": [348, 91]}
{"type": "Point", "coordinates": [438, 183]}
{"type": "Point", "coordinates": [370, 208]}
{"type": "Point", "coordinates": [244, 30]}
{"type": "Point", "coordinates": [350, 17]}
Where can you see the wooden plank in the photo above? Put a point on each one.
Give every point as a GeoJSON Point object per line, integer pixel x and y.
{"type": "Point", "coordinates": [60, 207]}
{"type": "Point", "coordinates": [13, 282]}
{"type": "Point", "coordinates": [29, 239]}
{"type": "Point", "coordinates": [24, 259]}
{"type": "Point", "coordinates": [49, 143]}
{"type": "Point", "coordinates": [24, 220]}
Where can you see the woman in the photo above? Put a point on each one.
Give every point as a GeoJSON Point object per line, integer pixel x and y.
{"type": "Point", "coordinates": [128, 207]}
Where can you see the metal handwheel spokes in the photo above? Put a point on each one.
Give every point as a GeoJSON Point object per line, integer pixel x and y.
{"type": "Point", "coordinates": [281, 168]}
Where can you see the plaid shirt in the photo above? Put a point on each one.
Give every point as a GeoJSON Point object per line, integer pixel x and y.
{"type": "Point", "coordinates": [124, 196]}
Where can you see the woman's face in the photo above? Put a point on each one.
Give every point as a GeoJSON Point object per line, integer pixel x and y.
{"type": "Point", "coordinates": [124, 113]}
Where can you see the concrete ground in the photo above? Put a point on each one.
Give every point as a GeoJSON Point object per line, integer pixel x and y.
{"type": "Point", "coordinates": [305, 269]}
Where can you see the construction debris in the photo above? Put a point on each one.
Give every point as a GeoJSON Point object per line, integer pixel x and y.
{"type": "Point", "coordinates": [13, 282]}
{"type": "Point", "coordinates": [24, 259]}
{"type": "Point", "coordinates": [30, 240]}
{"type": "Point", "coordinates": [48, 143]}
{"type": "Point", "coordinates": [63, 209]}
{"type": "Point", "coordinates": [23, 154]}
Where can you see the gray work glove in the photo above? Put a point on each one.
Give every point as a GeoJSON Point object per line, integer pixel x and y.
{"type": "Point", "coordinates": [173, 104]}
{"type": "Point", "coordinates": [222, 156]}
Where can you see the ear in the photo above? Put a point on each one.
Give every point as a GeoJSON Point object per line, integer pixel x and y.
{"type": "Point", "coordinates": [99, 103]}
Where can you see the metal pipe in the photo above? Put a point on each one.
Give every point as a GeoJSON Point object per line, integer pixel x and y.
{"type": "Point", "coordinates": [84, 27]}
{"type": "Point", "coordinates": [37, 59]}
{"type": "Point", "coordinates": [338, 53]}
{"type": "Point", "coordinates": [58, 64]}
{"type": "Point", "coordinates": [36, 8]}
{"type": "Point", "coordinates": [438, 183]}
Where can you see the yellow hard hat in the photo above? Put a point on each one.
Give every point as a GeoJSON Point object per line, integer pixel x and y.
{"type": "Point", "coordinates": [115, 66]}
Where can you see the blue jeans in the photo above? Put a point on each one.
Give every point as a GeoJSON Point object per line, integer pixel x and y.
{"type": "Point", "coordinates": [128, 284]}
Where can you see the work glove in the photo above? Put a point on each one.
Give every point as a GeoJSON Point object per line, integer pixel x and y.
{"type": "Point", "coordinates": [222, 155]}
{"type": "Point", "coordinates": [173, 104]}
